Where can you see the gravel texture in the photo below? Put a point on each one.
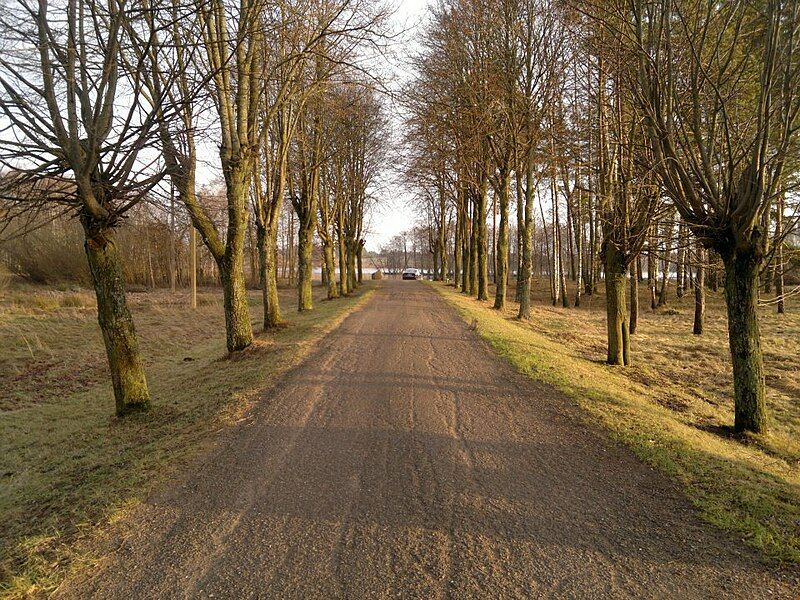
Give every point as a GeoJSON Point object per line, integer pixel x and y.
{"type": "Point", "coordinates": [404, 460]}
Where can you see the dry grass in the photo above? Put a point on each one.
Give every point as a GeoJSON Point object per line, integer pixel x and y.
{"type": "Point", "coordinates": [674, 405]}
{"type": "Point", "coordinates": [67, 466]}
{"type": "Point", "coordinates": [5, 277]}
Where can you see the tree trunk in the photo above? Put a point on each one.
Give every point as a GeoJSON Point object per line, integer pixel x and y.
{"type": "Point", "coordinates": [526, 272]}
{"type": "Point", "coordinates": [493, 256]}
{"type": "Point", "coordinates": [741, 299]}
{"type": "Point", "coordinates": [662, 295]}
{"type": "Point", "coordinates": [238, 328]}
{"type": "Point", "coordinates": [680, 283]}
{"type": "Point", "coordinates": [520, 234]}
{"type": "Point", "coordinates": [501, 275]}
{"type": "Point", "coordinates": [473, 251]}
{"type": "Point", "coordinates": [482, 247]}
{"type": "Point", "coordinates": [443, 254]}
{"type": "Point", "coordinates": [779, 266]}
{"type": "Point", "coordinates": [342, 248]}
{"type": "Point", "coordinates": [268, 274]}
{"type": "Point", "coordinates": [290, 250]}
{"type": "Point", "coordinates": [305, 252]}
{"type": "Point", "coordinates": [351, 265]}
{"type": "Point", "coordinates": [173, 262]}
{"type": "Point", "coordinates": [652, 270]}
{"type": "Point", "coordinates": [616, 313]}
{"type": "Point", "coordinates": [699, 293]}
{"type": "Point", "coordinates": [360, 262]}
{"type": "Point", "coordinates": [634, 322]}
{"type": "Point", "coordinates": [330, 269]}
{"type": "Point", "coordinates": [562, 277]}
{"type": "Point", "coordinates": [116, 323]}
{"type": "Point", "coordinates": [457, 242]}
{"type": "Point", "coordinates": [578, 227]}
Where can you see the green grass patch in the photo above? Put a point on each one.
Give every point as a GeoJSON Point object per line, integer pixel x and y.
{"type": "Point", "coordinates": [738, 484]}
{"type": "Point", "coordinates": [67, 466]}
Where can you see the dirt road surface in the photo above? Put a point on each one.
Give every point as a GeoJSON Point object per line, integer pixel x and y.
{"type": "Point", "coordinates": [404, 460]}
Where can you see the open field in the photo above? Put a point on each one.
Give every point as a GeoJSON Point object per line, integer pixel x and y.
{"type": "Point", "coordinates": [67, 465]}
{"type": "Point", "coordinates": [674, 406]}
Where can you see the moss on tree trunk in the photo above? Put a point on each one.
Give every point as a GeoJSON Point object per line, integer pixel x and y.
{"type": "Point", "coordinates": [741, 300]}
{"type": "Point", "coordinates": [238, 328]}
{"type": "Point", "coordinates": [268, 274]}
{"type": "Point", "coordinates": [115, 320]}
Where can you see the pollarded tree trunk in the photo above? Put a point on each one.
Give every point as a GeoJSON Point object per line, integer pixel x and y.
{"type": "Point", "coordinates": [616, 311]}
{"type": "Point", "coordinates": [741, 299]}
{"type": "Point", "coordinates": [116, 323]}
{"type": "Point", "coordinates": [502, 246]}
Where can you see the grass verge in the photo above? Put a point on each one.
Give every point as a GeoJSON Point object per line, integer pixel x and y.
{"type": "Point", "coordinates": [736, 483]}
{"type": "Point", "coordinates": [67, 466]}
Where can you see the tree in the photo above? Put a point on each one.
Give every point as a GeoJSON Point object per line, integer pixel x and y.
{"type": "Point", "coordinates": [719, 88]}
{"type": "Point", "coordinates": [80, 126]}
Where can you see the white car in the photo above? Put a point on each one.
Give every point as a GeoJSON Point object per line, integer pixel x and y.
{"type": "Point", "coordinates": [412, 274]}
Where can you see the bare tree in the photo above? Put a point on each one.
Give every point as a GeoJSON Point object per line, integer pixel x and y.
{"type": "Point", "coordinates": [719, 87]}
{"type": "Point", "coordinates": [78, 132]}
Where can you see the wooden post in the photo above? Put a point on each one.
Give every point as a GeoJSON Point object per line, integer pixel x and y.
{"type": "Point", "coordinates": [193, 266]}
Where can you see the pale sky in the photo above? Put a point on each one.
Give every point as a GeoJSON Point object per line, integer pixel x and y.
{"type": "Point", "coordinates": [394, 213]}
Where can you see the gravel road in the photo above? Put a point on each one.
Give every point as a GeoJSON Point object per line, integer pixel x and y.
{"type": "Point", "coordinates": [404, 460]}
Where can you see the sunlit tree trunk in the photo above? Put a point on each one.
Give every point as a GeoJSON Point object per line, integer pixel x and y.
{"type": "Point", "coordinates": [616, 311]}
